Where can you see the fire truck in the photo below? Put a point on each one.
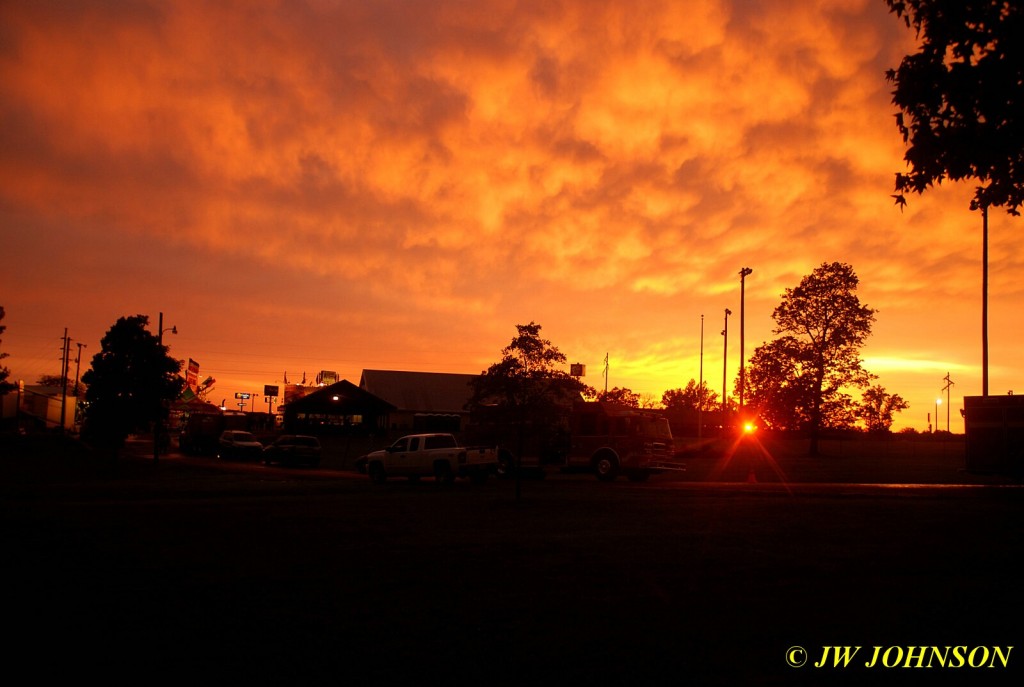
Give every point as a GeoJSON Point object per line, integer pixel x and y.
{"type": "Point", "coordinates": [606, 439]}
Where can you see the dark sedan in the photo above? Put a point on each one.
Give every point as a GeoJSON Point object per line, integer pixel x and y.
{"type": "Point", "coordinates": [236, 444]}
{"type": "Point", "coordinates": [293, 449]}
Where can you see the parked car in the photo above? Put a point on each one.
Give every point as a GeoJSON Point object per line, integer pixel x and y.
{"type": "Point", "coordinates": [235, 444]}
{"type": "Point", "coordinates": [293, 449]}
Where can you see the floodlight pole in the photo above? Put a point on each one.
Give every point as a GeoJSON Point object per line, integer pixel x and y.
{"type": "Point", "coordinates": [984, 303]}
{"type": "Point", "coordinates": [743, 276]}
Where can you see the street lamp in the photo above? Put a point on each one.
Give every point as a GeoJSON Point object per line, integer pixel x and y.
{"type": "Point", "coordinates": [938, 402]}
{"type": "Point", "coordinates": [743, 276]}
{"type": "Point", "coordinates": [158, 427]}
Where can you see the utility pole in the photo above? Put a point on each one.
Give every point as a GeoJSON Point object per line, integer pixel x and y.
{"type": "Point", "coordinates": [158, 424]}
{"type": "Point", "coordinates": [78, 367]}
{"type": "Point", "coordinates": [725, 364]}
{"type": "Point", "coordinates": [65, 352]}
{"type": "Point", "coordinates": [949, 383]}
{"type": "Point", "coordinates": [743, 276]}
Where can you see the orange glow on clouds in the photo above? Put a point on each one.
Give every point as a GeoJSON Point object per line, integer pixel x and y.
{"type": "Point", "coordinates": [396, 185]}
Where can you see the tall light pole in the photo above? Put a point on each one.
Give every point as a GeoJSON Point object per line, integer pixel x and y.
{"type": "Point", "coordinates": [937, 402]}
{"type": "Point", "coordinates": [743, 276]}
{"type": "Point", "coordinates": [158, 427]}
{"type": "Point", "coordinates": [725, 364]}
{"type": "Point", "coordinates": [700, 386]}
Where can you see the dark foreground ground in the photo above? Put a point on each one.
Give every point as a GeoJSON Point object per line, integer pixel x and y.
{"type": "Point", "coordinates": [193, 570]}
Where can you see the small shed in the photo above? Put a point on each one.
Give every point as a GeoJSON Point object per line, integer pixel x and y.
{"type": "Point", "coordinates": [995, 434]}
{"type": "Point", "coordinates": [340, 408]}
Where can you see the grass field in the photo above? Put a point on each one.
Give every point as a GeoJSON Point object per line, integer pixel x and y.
{"type": "Point", "coordinates": [890, 460]}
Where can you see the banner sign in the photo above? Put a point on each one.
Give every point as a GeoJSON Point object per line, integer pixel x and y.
{"type": "Point", "coordinates": [192, 374]}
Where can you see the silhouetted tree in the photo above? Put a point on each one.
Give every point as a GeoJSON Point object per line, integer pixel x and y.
{"type": "Point", "coordinates": [693, 397]}
{"type": "Point", "coordinates": [960, 98]}
{"type": "Point", "coordinates": [5, 386]}
{"type": "Point", "coordinates": [623, 396]}
{"type": "Point", "coordinates": [129, 383]}
{"type": "Point", "coordinates": [798, 380]}
{"type": "Point", "coordinates": [55, 381]}
{"type": "Point", "coordinates": [648, 401]}
{"type": "Point", "coordinates": [777, 384]}
{"type": "Point", "coordinates": [878, 407]}
{"type": "Point", "coordinates": [527, 387]}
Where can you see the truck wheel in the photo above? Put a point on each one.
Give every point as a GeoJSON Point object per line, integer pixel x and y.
{"type": "Point", "coordinates": [377, 474]}
{"type": "Point", "coordinates": [443, 473]}
{"type": "Point", "coordinates": [606, 467]}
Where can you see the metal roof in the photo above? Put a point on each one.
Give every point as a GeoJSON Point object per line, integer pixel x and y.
{"type": "Point", "coordinates": [426, 392]}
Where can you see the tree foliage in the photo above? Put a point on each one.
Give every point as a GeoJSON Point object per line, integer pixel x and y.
{"type": "Point", "coordinates": [960, 98]}
{"type": "Point", "coordinates": [623, 396]}
{"type": "Point", "coordinates": [5, 386]}
{"type": "Point", "coordinates": [56, 382]}
{"type": "Point", "coordinates": [528, 381]}
{"type": "Point", "coordinates": [527, 391]}
{"type": "Point", "coordinates": [777, 385]}
{"type": "Point", "coordinates": [694, 397]}
{"type": "Point", "coordinates": [877, 408]}
{"type": "Point", "coordinates": [129, 383]}
{"type": "Point", "coordinates": [799, 380]}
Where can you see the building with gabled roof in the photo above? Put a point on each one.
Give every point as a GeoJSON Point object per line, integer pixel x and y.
{"type": "Point", "coordinates": [423, 401]}
{"type": "Point", "coordinates": [341, 408]}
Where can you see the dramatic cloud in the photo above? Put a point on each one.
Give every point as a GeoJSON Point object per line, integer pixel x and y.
{"type": "Point", "coordinates": [341, 185]}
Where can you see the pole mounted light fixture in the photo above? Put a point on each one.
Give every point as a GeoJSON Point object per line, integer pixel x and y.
{"type": "Point", "coordinates": [744, 273]}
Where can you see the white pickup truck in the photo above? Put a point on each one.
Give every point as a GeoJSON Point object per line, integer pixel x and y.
{"type": "Point", "coordinates": [423, 455]}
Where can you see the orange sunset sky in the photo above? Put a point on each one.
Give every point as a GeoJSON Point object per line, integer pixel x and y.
{"type": "Point", "coordinates": [341, 185]}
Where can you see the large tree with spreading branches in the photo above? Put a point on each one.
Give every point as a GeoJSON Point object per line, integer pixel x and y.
{"type": "Point", "coordinates": [801, 380]}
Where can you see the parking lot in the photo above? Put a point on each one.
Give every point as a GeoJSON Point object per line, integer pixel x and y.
{"type": "Point", "coordinates": [202, 570]}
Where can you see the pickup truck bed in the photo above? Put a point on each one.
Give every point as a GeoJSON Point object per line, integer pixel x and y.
{"type": "Point", "coordinates": [431, 455]}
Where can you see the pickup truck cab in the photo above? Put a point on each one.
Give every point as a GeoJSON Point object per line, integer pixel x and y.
{"type": "Point", "coordinates": [437, 455]}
